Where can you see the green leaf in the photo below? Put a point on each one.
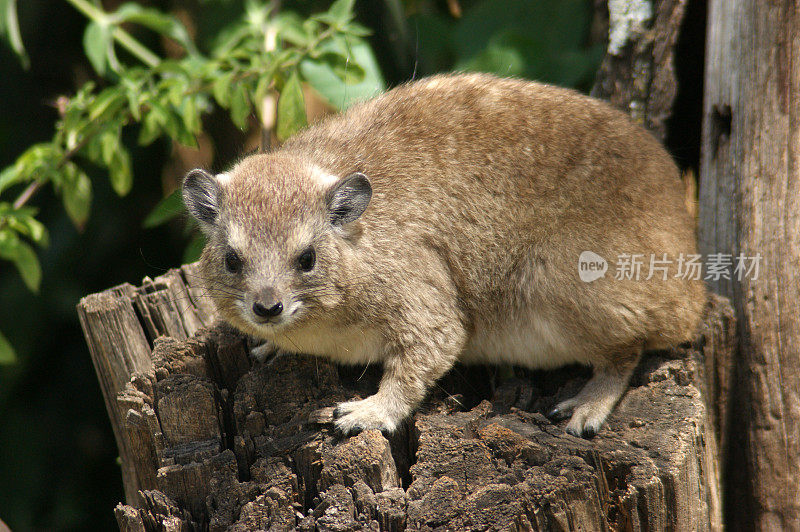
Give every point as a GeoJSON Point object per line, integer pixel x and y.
{"type": "Point", "coordinates": [9, 26]}
{"type": "Point", "coordinates": [194, 249]}
{"type": "Point", "coordinates": [333, 88]}
{"type": "Point", "coordinates": [357, 30]}
{"type": "Point", "coordinates": [229, 38]}
{"type": "Point", "coordinates": [291, 109]}
{"type": "Point", "coordinates": [157, 21]}
{"type": "Point", "coordinates": [24, 223]}
{"type": "Point", "coordinates": [180, 132]}
{"type": "Point", "coordinates": [240, 107]}
{"type": "Point", "coordinates": [109, 144]}
{"type": "Point", "coordinates": [35, 230]}
{"type": "Point", "coordinates": [120, 172]}
{"type": "Point", "coordinates": [97, 40]}
{"type": "Point", "coordinates": [77, 194]}
{"type": "Point", "coordinates": [290, 29]}
{"type": "Point", "coordinates": [497, 58]}
{"type": "Point", "coordinates": [153, 123]}
{"type": "Point", "coordinates": [7, 354]}
{"type": "Point", "coordinates": [39, 161]}
{"type": "Point", "coordinates": [222, 89]}
{"type": "Point", "coordinates": [167, 209]}
{"type": "Point", "coordinates": [348, 71]}
{"type": "Point", "coordinates": [23, 257]}
{"type": "Point", "coordinates": [28, 265]}
{"type": "Point", "coordinates": [175, 90]}
{"type": "Point", "coordinates": [10, 176]}
{"type": "Point", "coordinates": [116, 158]}
{"type": "Point", "coordinates": [340, 12]}
{"type": "Point", "coordinates": [535, 39]}
{"type": "Point", "coordinates": [312, 26]}
{"type": "Point", "coordinates": [160, 118]}
{"type": "Point", "coordinates": [8, 244]}
{"type": "Point", "coordinates": [133, 95]}
{"type": "Point", "coordinates": [107, 104]}
{"type": "Point", "coordinates": [191, 115]}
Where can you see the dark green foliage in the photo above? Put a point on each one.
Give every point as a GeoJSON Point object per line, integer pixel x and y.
{"type": "Point", "coordinates": [545, 40]}
{"type": "Point", "coordinates": [167, 98]}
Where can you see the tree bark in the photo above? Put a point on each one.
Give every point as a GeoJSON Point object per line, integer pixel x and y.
{"type": "Point", "coordinates": [637, 74]}
{"type": "Point", "coordinates": [120, 325]}
{"type": "Point", "coordinates": [750, 204]}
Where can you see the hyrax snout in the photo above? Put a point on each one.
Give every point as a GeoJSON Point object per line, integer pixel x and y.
{"type": "Point", "coordinates": [444, 221]}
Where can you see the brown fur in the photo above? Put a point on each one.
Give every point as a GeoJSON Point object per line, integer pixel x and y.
{"type": "Point", "coordinates": [484, 193]}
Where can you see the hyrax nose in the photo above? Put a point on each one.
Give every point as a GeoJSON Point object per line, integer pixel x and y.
{"type": "Point", "coordinates": [268, 310]}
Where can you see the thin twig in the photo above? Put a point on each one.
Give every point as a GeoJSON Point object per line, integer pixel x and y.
{"type": "Point", "coordinates": [136, 48]}
{"type": "Point", "coordinates": [27, 194]}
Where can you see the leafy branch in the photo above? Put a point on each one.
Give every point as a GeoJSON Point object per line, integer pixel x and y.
{"type": "Point", "coordinates": [166, 98]}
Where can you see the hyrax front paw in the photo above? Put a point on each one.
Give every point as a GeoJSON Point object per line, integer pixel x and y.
{"type": "Point", "coordinates": [265, 351]}
{"type": "Point", "coordinates": [370, 413]}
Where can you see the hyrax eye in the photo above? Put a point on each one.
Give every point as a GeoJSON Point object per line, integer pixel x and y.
{"type": "Point", "coordinates": [307, 259]}
{"type": "Point", "coordinates": [233, 262]}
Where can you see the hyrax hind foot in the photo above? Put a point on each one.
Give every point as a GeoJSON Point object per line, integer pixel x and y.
{"type": "Point", "coordinates": [596, 400]}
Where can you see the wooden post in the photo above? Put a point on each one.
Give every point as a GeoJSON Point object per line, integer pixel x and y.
{"type": "Point", "coordinates": [750, 205]}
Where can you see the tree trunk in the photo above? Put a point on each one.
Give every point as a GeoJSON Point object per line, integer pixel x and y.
{"type": "Point", "coordinates": [750, 205]}
{"type": "Point", "coordinates": [637, 74]}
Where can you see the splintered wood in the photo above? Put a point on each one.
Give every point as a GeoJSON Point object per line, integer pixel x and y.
{"type": "Point", "coordinates": [210, 440]}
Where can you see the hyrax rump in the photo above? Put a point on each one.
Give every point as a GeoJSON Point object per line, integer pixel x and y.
{"type": "Point", "coordinates": [443, 221]}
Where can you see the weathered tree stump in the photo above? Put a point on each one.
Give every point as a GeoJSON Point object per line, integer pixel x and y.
{"type": "Point", "coordinates": [210, 440]}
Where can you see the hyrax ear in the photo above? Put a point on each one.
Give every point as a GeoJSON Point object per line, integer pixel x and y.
{"type": "Point", "coordinates": [348, 199]}
{"type": "Point", "coordinates": [201, 192]}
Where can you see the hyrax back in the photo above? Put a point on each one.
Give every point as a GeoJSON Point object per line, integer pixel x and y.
{"type": "Point", "coordinates": [443, 221]}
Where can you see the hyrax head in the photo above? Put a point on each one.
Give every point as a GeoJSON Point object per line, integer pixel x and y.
{"type": "Point", "coordinates": [275, 228]}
